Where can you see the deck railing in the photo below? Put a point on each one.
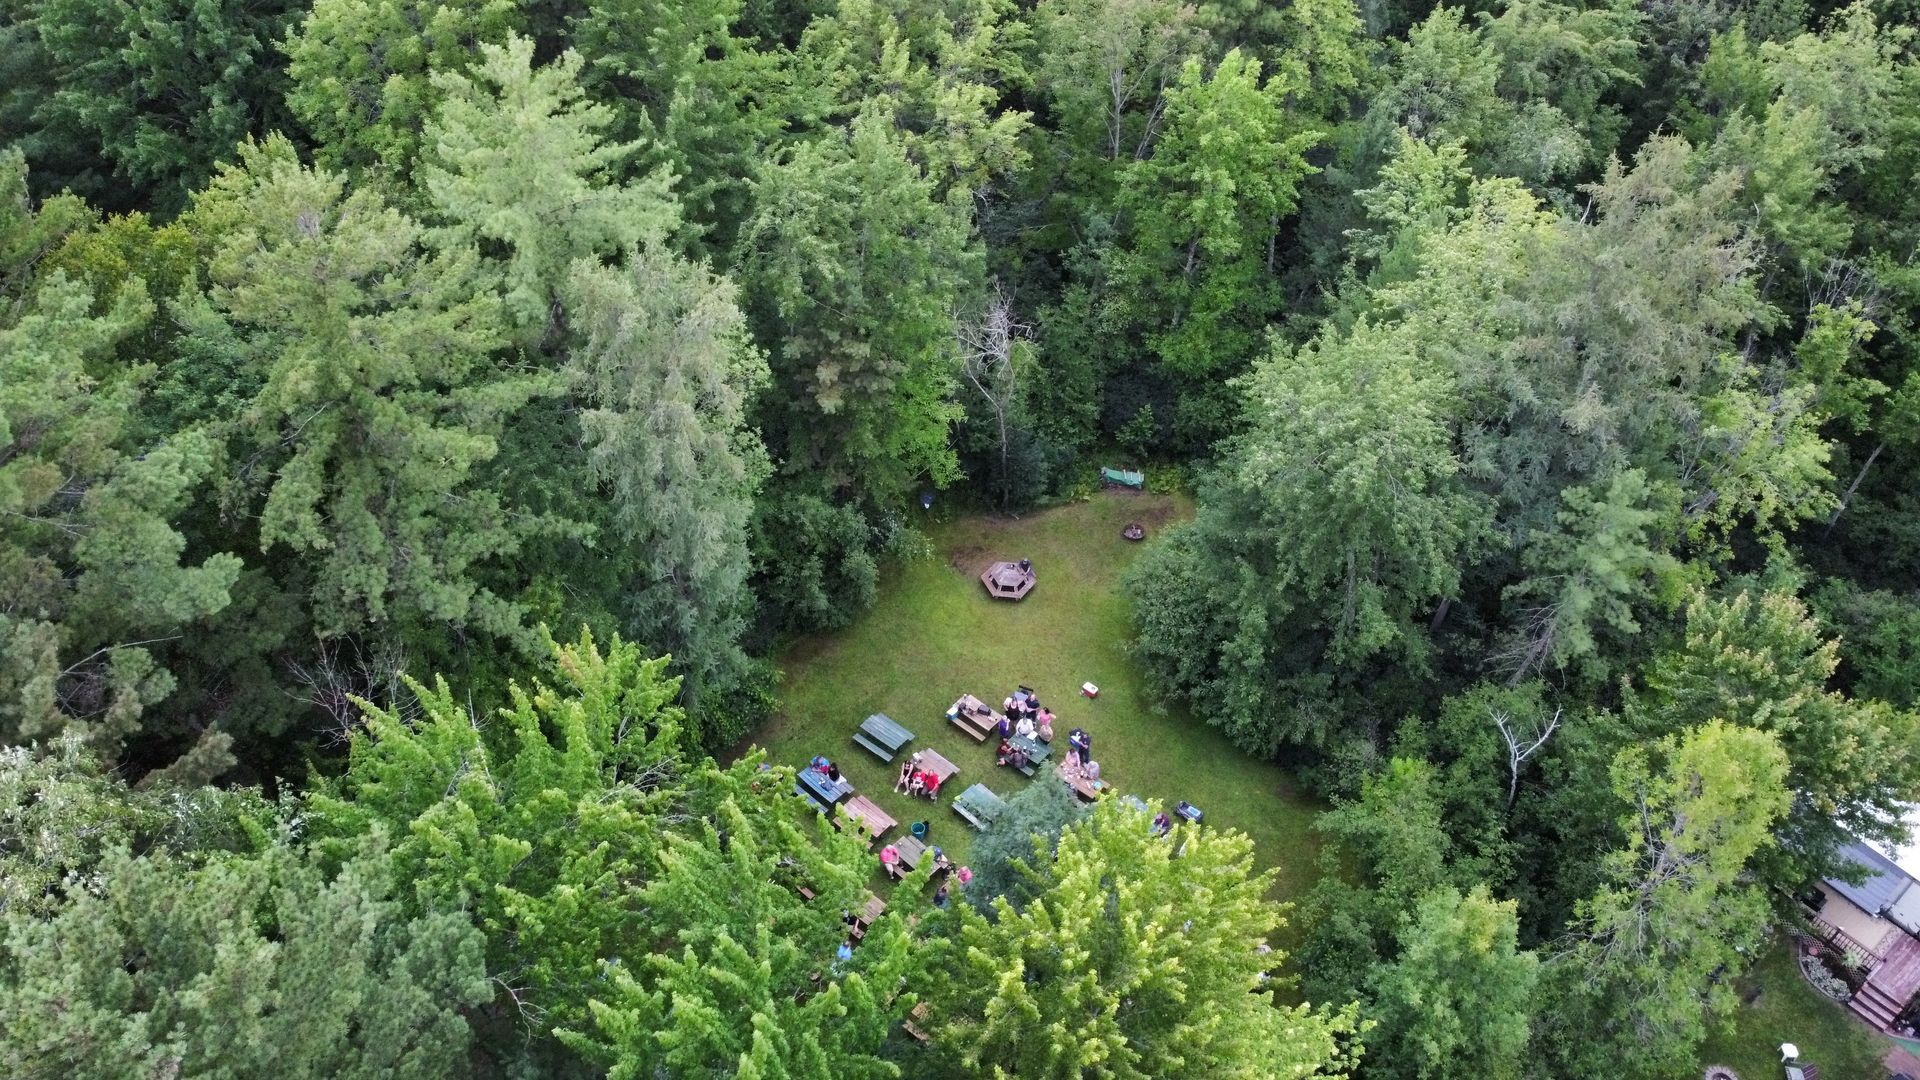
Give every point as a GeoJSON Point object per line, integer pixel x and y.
{"type": "Point", "coordinates": [1856, 952]}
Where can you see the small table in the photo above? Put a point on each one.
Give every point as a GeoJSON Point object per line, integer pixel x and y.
{"type": "Point", "coordinates": [814, 784]}
{"type": "Point", "coordinates": [1037, 752]}
{"type": "Point", "coordinates": [873, 819]}
{"type": "Point", "coordinates": [973, 716]}
{"type": "Point", "coordinates": [882, 737]}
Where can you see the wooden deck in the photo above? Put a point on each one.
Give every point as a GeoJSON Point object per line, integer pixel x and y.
{"type": "Point", "coordinates": [1891, 984]}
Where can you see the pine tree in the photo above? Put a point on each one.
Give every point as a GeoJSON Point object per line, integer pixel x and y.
{"type": "Point", "coordinates": [362, 74]}
{"type": "Point", "coordinates": [377, 399]}
{"type": "Point", "coordinates": [855, 267]}
{"type": "Point", "coordinates": [514, 158]}
{"type": "Point", "coordinates": [91, 566]}
{"type": "Point", "coordinates": [540, 822]}
{"type": "Point", "coordinates": [135, 104]}
{"type": "Point", "coordinates": [242, 967]}
{"type": "Point", "coordinates": [665, 362]}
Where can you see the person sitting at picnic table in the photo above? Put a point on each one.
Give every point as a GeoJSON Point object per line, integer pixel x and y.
{"type": "Point", "coordinates": [916, 783]}
{"type": "Point", "coordinates": [1092, 770]}
{"type": "Point", "coordinates": [1006, 751]}
{"type": "Point", "coordinates": [889, 856]}
{"type": "Point", "coordinates": [940, 896]}
{"type": "Point", "coordinates": [906, 776]}
{"type": "Point", "coordinates": [930, 783]}
{"type": "Point", "coordinates": [1024, 728]}
{"type": "Point", "coordinates": [941, 863]}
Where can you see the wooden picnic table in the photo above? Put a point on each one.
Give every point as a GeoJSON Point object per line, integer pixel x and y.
{"type": "Point", "coordinates": [1037, 752]}
{"type": "Point", "coordinates": [1082, 785]}
{"type": "Point", "coordinates": [911, 849]}
{"type": "Point", "coordinates": [979, 805]}
{"type": "Point", "coordinates": [815, 785]}
{"type": "Point", "coordinates": [882, 737]}
{"type": "Point", "coordinates": [875, 907]}
{"type": "Point", "coordinates": [936, 763]}
{"type": "Point", "coordinates": [865, 811]}
{"type": "Point", "coordinates": [973, 716]}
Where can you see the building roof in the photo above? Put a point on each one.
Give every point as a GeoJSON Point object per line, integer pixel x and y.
{"type": "Point", "coordinates": [1882, 884]}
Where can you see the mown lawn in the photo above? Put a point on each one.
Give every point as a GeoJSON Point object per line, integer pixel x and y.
{"type": "Point", "coordinates": [1789, 1010]}
{"type": "Point", "coordinates": [934, 634]}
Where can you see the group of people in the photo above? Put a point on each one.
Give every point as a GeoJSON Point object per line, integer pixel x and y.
{"type": "Point", "coordinates": [1025, 717]}
{"type": "Point", "coordinates": [916, 781]}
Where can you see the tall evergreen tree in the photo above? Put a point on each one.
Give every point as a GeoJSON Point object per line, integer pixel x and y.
{"type": "Point", "coordinates": [251, 966]}
{"type": "Point", "coordinates": [375, 397]}
{"type": "Point", "coordinates": [665, 363]}
{"type": "Point", "coordinates": [92, 568]}
{"type": "Point", "coordinates": [515, 160]}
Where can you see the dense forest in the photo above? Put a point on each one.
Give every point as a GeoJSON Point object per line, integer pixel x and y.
{"type": "Point", "coordinates": [422, 422]}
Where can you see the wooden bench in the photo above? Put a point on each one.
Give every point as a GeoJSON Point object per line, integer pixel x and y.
{"type": "Point", "coordinates": [978, 805]}
{"type": "Point", "coordinates": [880, 736]}
{"type": "Point", "coordinates": [974, 717]}
{"type": "Point", "coordinates": [913, 1026]}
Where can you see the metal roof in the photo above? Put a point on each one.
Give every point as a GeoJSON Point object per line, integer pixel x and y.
{"type": "Point", "coordinates": [1880, 886]}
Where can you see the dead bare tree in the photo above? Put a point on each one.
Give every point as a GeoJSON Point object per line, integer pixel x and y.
{"type": "Point", "coordinates": [1517, 754]}
{"type": "Point", "coordinates": [334, 684]}
{"type": "Point", "coordinates": [989, 357]}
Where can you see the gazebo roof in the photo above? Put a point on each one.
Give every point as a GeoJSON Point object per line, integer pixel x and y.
{"type": "Point", "coordinates": [1006, 581]}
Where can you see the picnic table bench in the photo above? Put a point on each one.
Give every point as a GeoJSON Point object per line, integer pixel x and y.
{"type": "Point", "coordinates": [979, 805]}
{"type": "Point", "coordinates": [1037, 753]}
{"type": "Point", "coordinates": [973, 716]}
{"type": "Point", "coordinates": [882, 737]}
{"type": "Point", "coordinates": [869, 815]}
{"type": "Point", "coordinates": [815, 785]}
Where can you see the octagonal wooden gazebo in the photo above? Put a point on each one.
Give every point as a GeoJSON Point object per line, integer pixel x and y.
{"type": "Point", "coordinates": [1008, 580]}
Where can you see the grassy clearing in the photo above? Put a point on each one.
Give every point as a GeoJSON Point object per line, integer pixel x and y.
{"type": "Point", "coordinates": [1789, 1010]}
{"type": "Point", "coordinates": [934, 634]}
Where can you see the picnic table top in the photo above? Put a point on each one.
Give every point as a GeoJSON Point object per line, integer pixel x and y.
{"type": "Point", "coordinates": [980, 795]}
{"type": "Point", "coordinates": [868, 814]}
{"type": "Point", "coordinates": [875, 908]}
{"type": "Point", "coordinates": [885, 729]}
{"type": "Point", "coordinates": [1086, 788]}
{"type": "Point", "coordinates": [976, 709]}
{"type": "Point", "coordinates": [826, 790]}
{"type": "Point", "coordinates": [1037, 751]}
{"type": "Point", "coordinates": [936, 763]}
